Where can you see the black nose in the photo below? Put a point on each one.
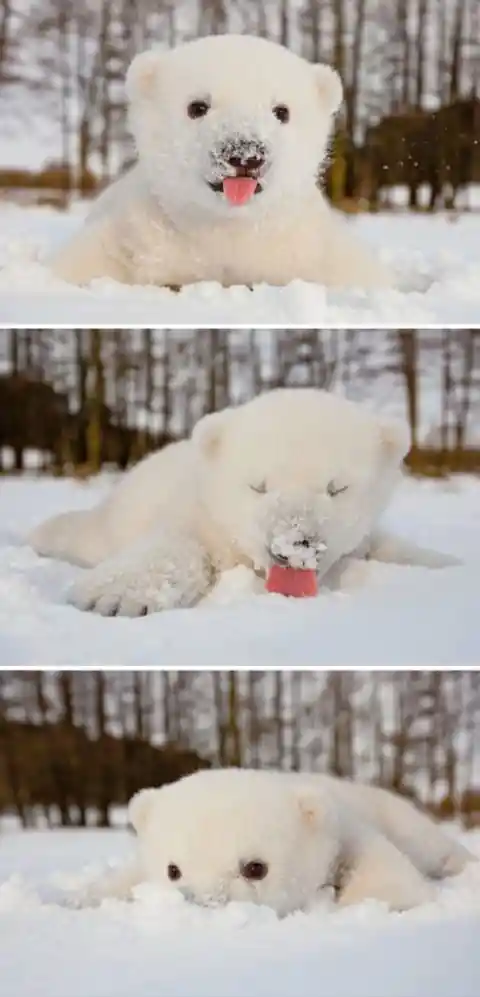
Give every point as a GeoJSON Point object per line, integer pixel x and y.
{"type": "Point", "coordinates": [251, 164]}
{"type": "Point", "coordinates": [279, 558]}
{"type": "Point", "coordinates": [305, 542]}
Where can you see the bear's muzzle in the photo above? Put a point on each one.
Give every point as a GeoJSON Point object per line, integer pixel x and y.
{"type": "Point", "coordinates": [295, 549]}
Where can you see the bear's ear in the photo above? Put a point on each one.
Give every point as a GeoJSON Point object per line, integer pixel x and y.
{"type": "Point", "coordinates": [308, 803]}
{"type": "Point", "coordinates": [329, 87]}
{"type": "Point", "coordinates": [139, 807]}
{"type": "Point", "coordinates": [143, 74]}
{"type": "Point", "coordinates": [395, 440]}
{"type": "Point", "coordinates": [208, 432]}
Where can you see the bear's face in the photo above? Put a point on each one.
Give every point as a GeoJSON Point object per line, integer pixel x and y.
{"type": "Point", "coordinates": [297, 477]}
{"type": "Point", "coordinates": [238, 835]}
{"type": "Point", "coordinates": [228, 107]}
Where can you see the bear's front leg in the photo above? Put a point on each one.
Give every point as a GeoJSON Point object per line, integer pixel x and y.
{"type": "Point", "coordinates": [391, 549]}
{"type": "Point", "coordinates": [377, 870]}
{"type": "Point", "coordinates": [93, 252]}
{"type": "Point", "coordinates": [162, 572]}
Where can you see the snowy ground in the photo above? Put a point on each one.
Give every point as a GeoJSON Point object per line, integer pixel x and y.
{"type": "Point", "coordinates": [385, 615]}
{"type": "Point", "coordinates": [160, 945]}
{"type": "Point", "coordinates": [434, 257]}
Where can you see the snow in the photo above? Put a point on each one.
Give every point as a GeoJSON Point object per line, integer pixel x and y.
{"type": "Point", "coordinates": [434, 257]}
{"type": "Point", "coordinates": [159, 944]}
{"type": "Point", "coordinates": [385, 615]}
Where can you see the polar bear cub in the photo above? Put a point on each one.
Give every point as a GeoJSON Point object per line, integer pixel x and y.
{"type": "Point", "coordinates": [281, 839]}
{"type": "Point", "coordinates": [231, 133]}
{"type": "Point", "coordinates": [298, 476]}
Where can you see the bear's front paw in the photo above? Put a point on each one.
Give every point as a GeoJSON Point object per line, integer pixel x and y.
{"type": "Point", "coordinates": [119, 596]}
{"type": "Point", "coordinates": [149, 581]}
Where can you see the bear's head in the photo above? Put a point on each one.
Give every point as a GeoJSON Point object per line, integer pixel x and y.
{"type": "Point", "coordinates": [296, 477]}
{"type": "Point", "coordinates": [237, 834]}
{"type": "Point", "coordinates": [230, 108]}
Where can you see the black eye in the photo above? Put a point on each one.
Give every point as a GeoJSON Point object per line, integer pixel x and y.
{"type": "Point", "coordinates": [282, 113]}
{"type": "Point", "coordinates": [174, 872]}
{"type": "Point", "coordinates": [333, 489]}
{"type": "Point", "coordinates": [260, 489]}
{"type": "Point", "coordinates": [254, 870]}
{"type": "Point", "coordinates": [198, 108]}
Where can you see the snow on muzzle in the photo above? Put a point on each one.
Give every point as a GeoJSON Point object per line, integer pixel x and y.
{"type": "Point", "coordinates": [296, 549]}
{"type": "Point", "coordinates": [294, 532]}
{"type": "Point", "coordinates": [239, 165]}
{"type": "Point", "coordinates": [204, 898]}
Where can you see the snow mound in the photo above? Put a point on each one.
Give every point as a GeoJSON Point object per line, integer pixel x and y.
{"type": "Point", "coordinates": [160, 944]}
{"type": "Point", "coordinates": [434, 258]}
{"type": "Point", "coordinates": [384, 614]}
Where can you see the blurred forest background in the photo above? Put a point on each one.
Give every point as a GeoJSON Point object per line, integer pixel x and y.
{"type": "Point", "coordinates": [74, 746]}
{"type": "Point", "coordinates": [411, 71]}
{"type": "Point", "coordinates": [77, 401]}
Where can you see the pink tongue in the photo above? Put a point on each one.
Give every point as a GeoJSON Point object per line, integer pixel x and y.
{"type": "Point", "coordinates": [239, 190]}
{"type": "Point", "coordinates": [292, 581]}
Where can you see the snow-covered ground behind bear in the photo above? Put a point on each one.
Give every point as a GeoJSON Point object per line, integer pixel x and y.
{"type": "Point", "coordinates": [434, 257]}
{"type": "Point", "coordinates": [385, 614]}
{"type": "Point", "coordinates": [160, 944]}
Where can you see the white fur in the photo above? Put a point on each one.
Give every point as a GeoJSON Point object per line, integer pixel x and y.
{"type": "Point", "coordinates": [191, 511]}
{"type": "Point", "coordinates": [314, 832]}
{"type": "Point", "coordinates": [162, 224]}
